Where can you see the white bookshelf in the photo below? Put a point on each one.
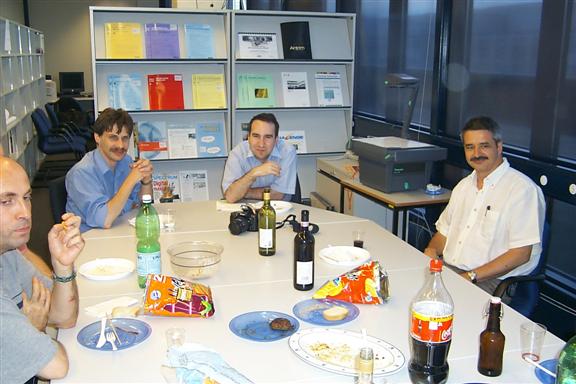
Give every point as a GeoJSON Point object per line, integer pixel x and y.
{"type": "Point", "coordinates": [22, 90]}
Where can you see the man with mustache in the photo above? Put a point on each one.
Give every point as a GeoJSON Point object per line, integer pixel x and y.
{"type": "Point", "coordinates": [492, 226]}
{"type": "Point", "coordinates": [107, 183]}
{"type": "Point", "coordinates": [29, 300]}
{"type": "Point", "coordinates": [259, 162]}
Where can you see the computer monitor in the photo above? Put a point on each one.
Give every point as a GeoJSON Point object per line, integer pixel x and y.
{"type": "Point", "coordinates": [71, 83]}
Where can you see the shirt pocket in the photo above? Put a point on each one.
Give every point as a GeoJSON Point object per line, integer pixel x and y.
{"type": "Point", "coordinates": [489, 224]}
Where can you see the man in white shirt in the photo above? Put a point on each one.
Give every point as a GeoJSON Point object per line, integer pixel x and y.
{"type": "Point", "coordinates": [492, 226]}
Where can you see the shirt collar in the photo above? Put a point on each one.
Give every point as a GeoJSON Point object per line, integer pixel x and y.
{"type": "Point", "coordinates": [101, 164]}
{"type": "Point", "coordinates": [493, 178]}
{"type": "Point", "coordinates": [275, 154]}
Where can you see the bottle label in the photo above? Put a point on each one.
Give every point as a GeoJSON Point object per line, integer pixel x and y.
{"type": "Point", "coordinates": [266, 238]}
{"type": "Point", "coordinates": [431, 329]}
{"type": "Point", "coordinates": [148, 263]}
{"type": "Point", "coordinates": [304, 272]}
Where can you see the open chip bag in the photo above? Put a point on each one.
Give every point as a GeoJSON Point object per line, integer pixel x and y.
{"type": "Point", "coordinates": [172, 296]}
{"type": "Point", "coordinates": [365, 284]}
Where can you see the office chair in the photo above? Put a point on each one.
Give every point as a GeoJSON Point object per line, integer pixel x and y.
{"type": "Point", "coordinates": [70, 126]}
{"type": "Point", "coordinates": [527, 287]}
{"type": "Point", "coordinates": [58, 197]}
{"type": "Point", "coordinates": [69, 109]}
{"type": "Point", "coordinates": [297, 196]}
{"type": "Point", "coordinates": [56, 142]}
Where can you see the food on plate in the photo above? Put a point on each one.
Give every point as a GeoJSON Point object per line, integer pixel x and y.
{"type": "Point", "coordinates": [366, 284]}
{"type": "Point", "coordinates": [172, 296]}
{"type": "Point", "coordinates": [335, 313]}
{"type": "Point", "coordinates": [281, 324]}
{"type": "Point", "coordinates": [340, 354]}
{"type": "Point", "coordinates": [125, 311]}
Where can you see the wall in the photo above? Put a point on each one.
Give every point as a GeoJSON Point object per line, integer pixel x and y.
{"type": "Point", "coordinates": [12, 10]}
{"type": "Point", "coordinates": [66, 27]}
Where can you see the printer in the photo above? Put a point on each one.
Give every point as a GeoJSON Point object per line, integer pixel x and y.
{"type": "Point", "coordinates": [394, 164]}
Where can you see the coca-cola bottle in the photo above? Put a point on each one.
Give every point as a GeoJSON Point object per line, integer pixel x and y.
{"type": "Point", "coordinates": [431, 314]}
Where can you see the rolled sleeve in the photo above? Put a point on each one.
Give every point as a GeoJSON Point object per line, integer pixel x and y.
{"type": "Point", "coordinates": [86, 198]}
{"type": "Point", "coordinates": [232, 171]}
{"type": "Point", "coordinates": [286, 182]}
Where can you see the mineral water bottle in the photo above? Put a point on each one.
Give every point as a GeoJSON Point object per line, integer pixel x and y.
{"type": "Point", "coordinates": [148, 247]}
{"type": "Point", "coordinates": [566, 371]}
{"type": "Point", "coordinates": [431, 313]}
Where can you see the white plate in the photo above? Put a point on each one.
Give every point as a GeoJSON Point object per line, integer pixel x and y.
{"type": "Point", "coordinates": [106, 269]}
{"type": "Point", "coordinates": [161, 218]}
{"type": "Point", "coordinates": [341, 348]}
{"type": "Point", "coordinates": [345, 255]}
{"type": "Point", "coordinates": [279, 206]}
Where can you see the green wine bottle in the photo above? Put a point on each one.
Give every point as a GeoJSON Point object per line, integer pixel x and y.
{"type": "Point", "coordinates": [566, 371]}
{"type": "Point", "coordinates": [266, 226]}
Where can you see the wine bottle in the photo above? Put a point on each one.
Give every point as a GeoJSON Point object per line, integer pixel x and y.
{"type": "Point", "coordinates": [266, 226]}
{"type": "Point", "coordinates": [304, 256]}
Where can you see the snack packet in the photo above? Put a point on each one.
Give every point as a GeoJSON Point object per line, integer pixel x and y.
{"type": "Point", "coordinates": [366, 284]}
{"type": "Point", "coordinates": [172, 296]}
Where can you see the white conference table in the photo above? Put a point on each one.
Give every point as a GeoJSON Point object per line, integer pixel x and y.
{"type": "Point", "coordinates": [248, 282]}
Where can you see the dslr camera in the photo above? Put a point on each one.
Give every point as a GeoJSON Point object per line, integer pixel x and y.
{"type": "Point", "coordinates": [244, 220]}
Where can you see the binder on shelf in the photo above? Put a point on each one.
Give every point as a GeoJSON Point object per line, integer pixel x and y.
{"type": "Point", "coordinates": [123, 40]}
{"type": "Point", "coordinates": [125, 91]}
{"type": "Point", "coordinates": [165, 92]}
{"type": "Point", "coordinates": [257, 45]}
{"type": "Point", "coordinates": [152, 140]}
{"type": "Point", "coordinates": [296, 40]}
{"type": "Point", "coordinates": [296, 138]}
{"type": "Point", "coordinates": [211, 139]}
{"type": "Point", "coordinates": [199, 41]}
{"type": "Point", "coordinates": [295, 89]}
{"type": "Point", "coordinates": [161, 41]}
{"type": "Point", "coordinates": [256, 91]}
{"type": "Point", "coordinates": [182, 141]}
{"type": "Point", "coordinates": [328, 89]}
{"type": "Point", "coordinates": [208, 91]}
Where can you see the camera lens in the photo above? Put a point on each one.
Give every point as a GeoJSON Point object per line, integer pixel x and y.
{"type": "Point", "coordinates": [238, 225]}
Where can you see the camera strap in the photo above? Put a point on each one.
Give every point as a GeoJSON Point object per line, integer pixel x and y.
{"type": "Point", "coordinates": [291, 220]}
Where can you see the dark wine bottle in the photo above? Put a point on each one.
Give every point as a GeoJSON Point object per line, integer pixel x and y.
{"type": "Point", "coordinates": [304, 256]}
{"type": "Point", "coordinates": [266, 226]}
{"type": "Point", "coordinates": [492, 342]}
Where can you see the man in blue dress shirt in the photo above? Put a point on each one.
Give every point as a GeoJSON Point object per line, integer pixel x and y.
{"type": "Point", "coordinates": [107, 183]}
{"type": "Point", "coordinates": [259, 162]}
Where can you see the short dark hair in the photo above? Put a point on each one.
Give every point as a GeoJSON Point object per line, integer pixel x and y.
{"type": "Point", "coordinates": [110, 117]}
{"type": "Point", "coordinates": [268, 118]}
{"type": "Point", "coordinates": [483, 123]}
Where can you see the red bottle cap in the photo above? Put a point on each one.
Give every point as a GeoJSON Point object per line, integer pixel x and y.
{"type": "Point", "coordinates": [435, 265]}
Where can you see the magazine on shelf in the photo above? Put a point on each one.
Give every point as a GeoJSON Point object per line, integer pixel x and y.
{"type": "Point", "coordinates": [123, 40]}
{"type": "Point", "coordinates": [165, 92]}
{"type": "Point", "coordinates": [295, 89]}
{"type": "Point", "coordinates": [244, 127]}
{"type": "Point", "coordinates": [208, 91]}
{"type": "Point", "coordinates": [165, 187]}
{"type": "Point", "coordinates": [161, 41]}
{"type": "Point", "coordinates": [193, 185]}
{"type": "Point", "coordinates": [199, 41]}
{"type": "Point", "coordinates": [296, 40]}
{"type": "Point", "coordinates": [211, 139]}
{"type": "Point", "coordinates": [125, 91]}
{"type": "Point", "coordinates": [296, 138]}
{"type": "Point", "coordinates": [256, 90]}
{"type": "Point", "coordinates": [182, 141]}
{"type": "Point", "coordinates": [256, 45]}
{"type": "Point", "coordinates": [328, 88]}
{"type": "Point", "coordinates": [152, 140]}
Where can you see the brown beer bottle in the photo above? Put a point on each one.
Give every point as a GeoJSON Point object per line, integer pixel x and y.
{"type": "Point", "coordinates": [492, 342]}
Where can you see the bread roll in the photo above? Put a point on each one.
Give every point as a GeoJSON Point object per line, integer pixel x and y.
{"type": "Point", "coordinates": [125, 311]}
{"type": "Point", "coordinates": [335, 313]}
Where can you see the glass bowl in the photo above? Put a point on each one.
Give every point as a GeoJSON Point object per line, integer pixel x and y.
{"type": "Point", "coordinates": [195, 259]}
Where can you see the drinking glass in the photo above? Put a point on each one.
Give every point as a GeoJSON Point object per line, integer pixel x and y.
{"type": "Point", "coordinates": [531, 340]}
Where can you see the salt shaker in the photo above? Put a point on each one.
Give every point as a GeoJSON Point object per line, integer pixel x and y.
{"type": "Point", "coordinates": [365, 366]}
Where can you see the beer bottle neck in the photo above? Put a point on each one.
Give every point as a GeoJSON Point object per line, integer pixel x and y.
{"type": "Point", "coordinates": [494, 317]}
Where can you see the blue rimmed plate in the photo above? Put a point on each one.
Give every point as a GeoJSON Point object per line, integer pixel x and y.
{"type": "Point", "coordinates": [543, 376]}
{"type": "Point", "coordinates": [255, 326]}
{"type": "Point", "coordinates": [139, 331]}
{"type": "Point", "coordinates": [311, 311]}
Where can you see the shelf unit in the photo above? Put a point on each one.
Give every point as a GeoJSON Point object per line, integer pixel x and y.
{"type": "Point", "coordinates": [22, 89]}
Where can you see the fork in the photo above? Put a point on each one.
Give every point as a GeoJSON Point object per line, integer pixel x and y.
{"type": "Point", "coordinates": [111, 338]}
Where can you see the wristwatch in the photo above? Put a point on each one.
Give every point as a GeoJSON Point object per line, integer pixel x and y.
{"type": "Point", "coordinates": [472, 276]}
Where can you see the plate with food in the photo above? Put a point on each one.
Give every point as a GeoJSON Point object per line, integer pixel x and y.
{"type": "Point", "coordinates": [130, 332]}
{"type": "Point", "coordinates": [106, 269]}
{"type": "Point", "coordinates": [325, 311]}
{"type": "Point", "coordinates": [279, 206]}
{"type": "Point", "coordinates": [344, 255]}
{"type": "Point", "coordinates": [336, 350]}
{"type": "Point", "coordinates": [264, 325]}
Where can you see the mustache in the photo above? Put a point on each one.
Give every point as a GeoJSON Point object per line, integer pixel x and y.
{"type": "Point", "coordinates": [478, 158]}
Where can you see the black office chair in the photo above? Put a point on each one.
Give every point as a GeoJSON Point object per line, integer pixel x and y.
{"type": "Point", "coordinates": [69, 109]}
{"type": "Point", "coordinates": [297, 196]}
{"type": "Point", "coordinates": [69, 126]}
{"type": "Point", "coordinates": [58, 197]}
{"type": "Point", "coordinates": [56, 142]}
{"type": "Point", "coordinates": [526, 288]}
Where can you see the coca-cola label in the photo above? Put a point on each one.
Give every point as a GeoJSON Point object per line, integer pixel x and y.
{"type": "Point", "coordinates": [431, 329]}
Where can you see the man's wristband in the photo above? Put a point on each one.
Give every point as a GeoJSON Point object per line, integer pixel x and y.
{"type": "Point", "coordinates": [65, 279]}
{"type": "Point", "coordinates": [146, 183]}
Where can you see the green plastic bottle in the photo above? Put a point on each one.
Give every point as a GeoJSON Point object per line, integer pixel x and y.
{"type": "Point", "coordinates": [566, 370]}
{"type": "Point", "coordinates": [148, 247]}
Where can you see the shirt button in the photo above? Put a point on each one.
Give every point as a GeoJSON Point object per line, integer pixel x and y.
{"type": "Point", "coordinates": [467, 226]}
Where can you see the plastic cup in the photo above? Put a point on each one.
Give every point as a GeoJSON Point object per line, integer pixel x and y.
{"type": "Point", "coordinates": [169, 220]}
{"type": "Point", "coordinates": [358, 238]}
{"type": "Point", "coordinates": [531, 340]}
{"type": "Point", "coordinates": [175, 337]}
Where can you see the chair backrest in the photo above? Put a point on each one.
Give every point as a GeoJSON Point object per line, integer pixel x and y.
{"type": "Point", "coordinates": [50, 109]}
{"type": "Point", "coordinates": [67, 104]}
{"type": "Point", "coordinates": [297, 196]}
{"type": "Point", "coordinates": [58, 197]}
{"type": "Point", "coordinates": [41, 123]}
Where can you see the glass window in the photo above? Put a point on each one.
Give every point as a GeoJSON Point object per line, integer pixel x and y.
{"type": "Point", "coordinates": [561, 243]}
{"type": "Point", "coordinates": [566, 112]}
{"type": "Point", "coordinates": [492, 65]}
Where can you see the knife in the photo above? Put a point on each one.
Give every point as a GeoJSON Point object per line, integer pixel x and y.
{"type": "Point", "coordinates": [102, 337]}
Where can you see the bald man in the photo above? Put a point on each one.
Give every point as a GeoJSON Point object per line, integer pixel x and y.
{"type": "Point", "coordinates": [29, 301]}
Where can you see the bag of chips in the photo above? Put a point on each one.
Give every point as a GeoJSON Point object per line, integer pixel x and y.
{"type": "Point", "coordinates": [172, 296]}
{"type": "Point", "coordinates": [366, 284]}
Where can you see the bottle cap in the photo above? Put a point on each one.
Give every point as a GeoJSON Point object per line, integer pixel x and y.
{"type": "Point", "coordinates": [435, 265]}
{"type": "Point", "coordinates": [305, 216]}
{"type": "Point", "coordinates": [146, 198]}
{"type": "Point", "coordinates": [495, 300]}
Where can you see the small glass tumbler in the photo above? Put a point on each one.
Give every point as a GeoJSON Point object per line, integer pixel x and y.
{"type": "Point", "coordinates": [531, 340]}
{"type": "Point", "coordinates": [175, 337]}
